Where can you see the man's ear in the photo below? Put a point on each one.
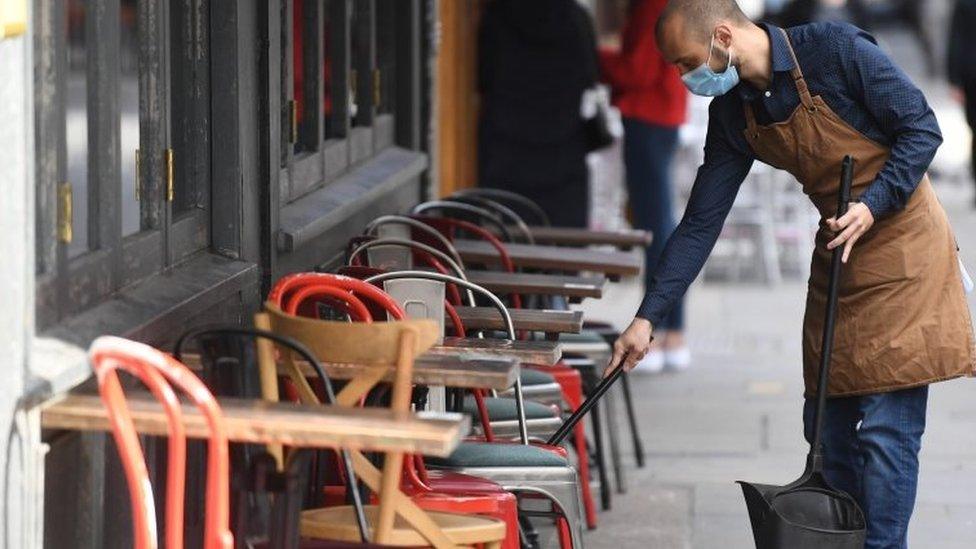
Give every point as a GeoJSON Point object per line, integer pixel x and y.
{"type": "Point", "coordinates": [723, 35]}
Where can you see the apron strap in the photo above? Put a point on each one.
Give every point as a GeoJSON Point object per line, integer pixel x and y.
{"type": "Point", "coordinates": [801, 85]}
{"type": "Point", "coordinates": [750, 120]}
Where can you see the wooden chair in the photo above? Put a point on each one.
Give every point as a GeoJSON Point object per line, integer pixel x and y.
{"type": "Point", "coordinates": [158, 371]}
{"type": "Point", "coordinates": [396, 520]}
{"type": "Point", "coordinates": [230, 367]}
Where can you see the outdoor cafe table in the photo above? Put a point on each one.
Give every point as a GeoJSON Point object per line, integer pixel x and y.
{"type": "Point", "coordinates": [450, 370]}
{"type": "Point", "coordinates": [614, 264]}
{"type": "Point", "coordinates": [575, 236]}
{"type": "Point", "coordinates": [262, 422]}
{"type": "Point", "coordinates": [536, 320]}
{"type": "Point", "coordinates": [573, 287]}
{"type": "Point", "coordinates": [546, 353]}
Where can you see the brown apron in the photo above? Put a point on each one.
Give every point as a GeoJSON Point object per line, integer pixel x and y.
{"type": "Point", "coordinates": [902, 319]}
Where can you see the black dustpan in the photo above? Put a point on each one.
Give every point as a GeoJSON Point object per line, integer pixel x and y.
{"type": "Point", "coordinates": [809, 513]}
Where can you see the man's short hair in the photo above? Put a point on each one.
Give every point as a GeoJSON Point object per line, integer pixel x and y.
{"type": "Point", "coordinates": [700, 16]}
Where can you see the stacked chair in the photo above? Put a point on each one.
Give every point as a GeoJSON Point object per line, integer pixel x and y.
{"type": "Point", "coordinates": [396, 297]}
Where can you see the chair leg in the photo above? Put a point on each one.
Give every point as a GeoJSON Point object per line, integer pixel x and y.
{"type": "Point", "coordinates": [528, 535]}
{"type": "Point", "coordinates": [632, 419]}
{"type": "Point", "coordinates": [572, 394]}
{"type": "Point", "coordinates": [612, 432]}
{"type": "Point", "coordinates": [565, 538]}
{"type": "Point", "coordinates": [599, 459]}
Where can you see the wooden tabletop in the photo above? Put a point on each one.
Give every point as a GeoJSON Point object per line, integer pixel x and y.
{"type": "Point", "coordinates": [452, 371]}
{"type": "Point", "coordinates": [574, 236]}
{"type": "Point", "coordinates": [614, 264]}
{"type": "Point", "coordinates": [536, 320]}
{"type": "Point", "coordinates": [528, 352]}
{"type": "Point", "coordinates": [501, 282]}
{"type": "Point", "coordinates": [261, 422]}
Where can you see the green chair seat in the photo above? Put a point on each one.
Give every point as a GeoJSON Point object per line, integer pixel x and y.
{"type": "Point", "coordinates": [487, 454]}
{"type": "Point", "coordinates": [535, 377]}
{"type": "Point", "coordinates": [586, 336]}
{"type": "Point", "coordinates": [503, 409]}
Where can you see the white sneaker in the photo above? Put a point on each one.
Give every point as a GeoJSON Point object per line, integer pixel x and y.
{"type": "Point", "coordinates": [677, 359]}
{"type": "Point", "coordinates": [652, 363]}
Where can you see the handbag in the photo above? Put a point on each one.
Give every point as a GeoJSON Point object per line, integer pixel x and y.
{"type": "Point", "coordinates": [596, 119]}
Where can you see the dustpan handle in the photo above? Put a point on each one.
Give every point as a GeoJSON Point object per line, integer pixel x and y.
{"type": "Point", "coordinates": [827, 343]}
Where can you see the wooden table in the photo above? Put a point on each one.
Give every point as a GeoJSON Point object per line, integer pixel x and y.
{"type": "Point", "coordinates": [502, 282]}
{"type": "Point", "coordinates": [555, 258]}
{"type": "Point", "coordinates": [575, 236]}
{"type": "Point", "coordinates": [529, 352]}
{"type": "Point", "coordinates": [497, 373]}
{"type": "Point", "coordinates": [535, 320]}
{"type": "Point", "coordinates": [260, 422]}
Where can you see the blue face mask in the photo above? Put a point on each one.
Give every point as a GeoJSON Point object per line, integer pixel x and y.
{"type": "Point", "coordinates": [704, 81]}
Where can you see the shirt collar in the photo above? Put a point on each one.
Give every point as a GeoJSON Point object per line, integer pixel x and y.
{"type": "Point", "coordinates": [781, 59]}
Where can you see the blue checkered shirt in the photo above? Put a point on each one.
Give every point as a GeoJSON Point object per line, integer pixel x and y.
{"type": "Point", "coordinates": [845, 66]}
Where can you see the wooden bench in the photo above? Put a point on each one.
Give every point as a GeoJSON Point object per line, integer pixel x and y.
{"type": "Point", "coordinates": [261, 422]}
{"type": "Point", "coordinates": [555, 258]}
{"type": "Point", "coordinates": [501, 282]}
{"type": "Point", "coordinates": [535, 320]}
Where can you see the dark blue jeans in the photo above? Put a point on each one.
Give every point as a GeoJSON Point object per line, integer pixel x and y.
{"type": "Point", "coordinates": [871, 446]}
{"type": "Point", "coordinates": [648, 151]}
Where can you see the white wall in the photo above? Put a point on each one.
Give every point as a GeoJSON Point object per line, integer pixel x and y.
{"type": "Point", "coordinates": [19, 456]}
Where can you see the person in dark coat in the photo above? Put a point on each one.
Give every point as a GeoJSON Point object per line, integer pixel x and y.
{"type": "Point", "coordinates": [962, 63]}
{"type": "Point", "coordinates": [536, 58]}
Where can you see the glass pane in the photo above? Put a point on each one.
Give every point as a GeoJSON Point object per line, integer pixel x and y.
{"type": "Point", "coordinates": [386, 54]}
{"type": "Point", "coordinates": [359, 42]}
{"type": "Point", "coordinates": [129, 110]}
{"type": "Point", "coordinates": [76, 125]}
{"type": "Point", "coordinates": [329, 130]}
{"type": "Point", "coordinates": [302, 46]}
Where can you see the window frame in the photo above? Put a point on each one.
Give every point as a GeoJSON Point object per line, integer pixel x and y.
{"type": "Point", "coordinates": [328, 159]}
{"type": "Point", "coordinates": [69, 286]}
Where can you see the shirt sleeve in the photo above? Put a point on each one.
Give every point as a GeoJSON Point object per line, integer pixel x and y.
{"type": "Point", "coordinates": [901, 111]}
{"type": "Point", "coordinates": [712, 195]}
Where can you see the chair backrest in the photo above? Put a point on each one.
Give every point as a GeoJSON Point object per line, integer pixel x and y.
{"type": "Point", "coordinates": [372, 344]}
{"type": "Point", "coordinates": [497, 303]}
{"type": "Point", "coordinates": [375, 227]}
{"type": "Point", "coordinates": [517, 201]}
{"type": "Point", "coordinates": [384, 344]}
{"type": "Point", "coordinates": [428, 254]}
{"type": "Point", "coordinates": [250, 353]}
{"type": "Point", "coordinates": [503, 211]}
{"type": "Point", "coordinates": [461, 210]}
{"type": "Point", "coordinates": [368, 294]}
{"type": "Point", "coordinates": [159, 373]}
{"type": "Point", "coordinates": [399, 258]}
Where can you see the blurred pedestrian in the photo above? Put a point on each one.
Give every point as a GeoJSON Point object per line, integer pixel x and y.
{"type": "Point", "coordinates": [962, 65]}
{"type": "Point", "coordinates": [535, 60]}
{"type": "Point", "coordinates": [653, 102]}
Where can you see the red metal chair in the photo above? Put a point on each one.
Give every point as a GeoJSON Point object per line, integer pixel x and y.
{"type": "Point", "coordinates": [568, 378]}
{"type": "Point", "coordinates": [440, 491]}
{"type": "Point", "coordinates": [158, 371]}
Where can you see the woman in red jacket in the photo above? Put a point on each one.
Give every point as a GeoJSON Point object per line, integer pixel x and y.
{"type": "Point", "coordinates": [652, 99]}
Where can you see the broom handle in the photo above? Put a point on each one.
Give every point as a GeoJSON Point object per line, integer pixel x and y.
{"type": "Point", "coordinates": [827, 345]}
{"type": "Point", "coordinates": [588, 404]}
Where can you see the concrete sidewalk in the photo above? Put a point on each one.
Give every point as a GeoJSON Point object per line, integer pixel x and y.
{"type": "Point", "coordinates": [736, 415]}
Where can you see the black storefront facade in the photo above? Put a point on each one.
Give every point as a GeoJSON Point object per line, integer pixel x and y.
{"type": "Point", "coordinates": [225, 143]}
